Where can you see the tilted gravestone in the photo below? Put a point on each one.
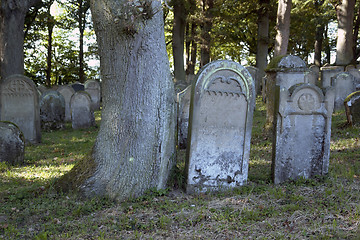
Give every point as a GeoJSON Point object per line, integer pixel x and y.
{"type": "Point", "coordinates": [93, 88]}
{"type": "Point", "coordinates": [344, 84]}
{"type": "Point", "coordinates": [352, 107]}
{"type": "Point", "coordinates": [20, 105]}
{"type": "Point", "coordinates": [52, 110]}
{"type": "Point", "coordinates": [221, 112]}
{"type": "Point", "coordinates": [82, 115]}
{"type": "Point", "coordinates": [302, 132]}
{"type": "Point", "coordinates": [66, 92]}
{"type": "Point", "coordinates": [12, 144]}
{"type": "Point", "coordinates": [183, 101]}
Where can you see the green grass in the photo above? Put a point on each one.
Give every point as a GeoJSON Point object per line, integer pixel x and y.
{"type": "Point", "coordinates": [321, 208]}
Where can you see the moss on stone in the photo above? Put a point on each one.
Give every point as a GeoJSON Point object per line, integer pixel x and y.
{"type": "Point", "coordinates": [351, 95]}
{"type": "Point", "coordinates": [274, 63]}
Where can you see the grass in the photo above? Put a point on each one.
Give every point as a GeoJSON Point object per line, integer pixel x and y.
{"type": "Point", "coordinates": [321, 208]}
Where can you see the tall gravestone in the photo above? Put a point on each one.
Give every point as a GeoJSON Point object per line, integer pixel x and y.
{"type": "Point", "coordinates": [302, 132]}
{"type": "Point", "coordinates": [66, 92]}
{"type": "Point", "coordinates": [82, 115]}
{"type": "Point", "coordinates": [283, 71]}
{"type": "Point", "coordinates": [344, 84]}
{"type": "Point", "coordinates": [221, 112]}
{"type": "Point", "coordinates": [20, 105]}
{"type": "Point", "coordinates": [12, 144]}
{"type": "Point", "coordinates": [352, 107]}
{"type": "Point", "coordinates": [93, 88]}
{"type": "Point", "coordinates": [52, 110]}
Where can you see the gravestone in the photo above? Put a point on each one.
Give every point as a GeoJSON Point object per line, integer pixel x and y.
{"type": "Point", "coordinates": [82, 115]}
{"type": "Point", "coordinates": [257, 75]}
{"type": "Point", "coordinates": [313, 75]}
{"type": "Point", "coordinates": [355, 72]}
{"type": "Point", "coordinates": [52, 110]}
{"type": "Point", "coordinates": [78, 87]}
{"type": "Point", "coordinates": [221, 112]}
{"type": "Point", "coordinates": [12, 144]}
{"type": "Point", "coordinates": [41, 88]}
{"type": "Point", "coordinates": [20, 105]}
{"type": "Point", "coordinates": [93, 88]}
{"type": "Point", "coordinates": [284, 71]}
{"type": "Point", "coordinates": [302, 132]}
{"type": "Point", "coordinates": [183, 101]}
{"type": "Point", "coordinates": [352, 107]}
{"type": "Point", "coordinates": [344, 84]}
{"type": "Point", "coordinates": [66, 92]}
{"type": "Point", "coordinates": [327, 72]}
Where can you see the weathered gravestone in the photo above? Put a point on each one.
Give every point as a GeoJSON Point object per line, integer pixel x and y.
{"type": "Point", "coordinates": [52, 110]}
{"type": "Point", "coordinates": [78, 87]}
{"type": "Point", "coordinates": [355, 72]}
{"type": "Point", "coordinates": [12, 144]}
{"type": "Point", "coordinates": [221, 112]}
{"type": "Point", "coordinates": [20, 105]}
{"type": "Point", "coordinates": [284, 71]}
{"type": "Point", "coordinates": [302, 132]}
{"type": "Point", "coordinates": [327, 72]}
{"type": "Point", "coordinates": [344, 84]}
{"type": "Point", "coordinates": [66, 92]}
{"type": "Point", "coordinates": [82, 115]}
{"type": "Point", "coordinates": [352, 107]}
{"type": "Point", "coordinates": [183, 101]}
{"type": "Point", "coordinates": [93, 88]}
{"type": "Point", "coordinates": [257, 75]}
{"type": "Point", "coordinates": [41, 88]}
{"type": "Point", "coordinates": [313, 75]}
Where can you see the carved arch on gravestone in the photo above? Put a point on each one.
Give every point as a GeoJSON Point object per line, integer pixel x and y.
{"type": "Point", "coordinates": [306, 98]}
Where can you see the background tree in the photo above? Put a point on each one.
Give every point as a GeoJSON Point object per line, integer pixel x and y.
{"type": "Point", "coordinates": [135, 147]}
{"type": "Point", "coordinates": [262, 46]}
{"type": "Point", "coordinates": [282, 27]}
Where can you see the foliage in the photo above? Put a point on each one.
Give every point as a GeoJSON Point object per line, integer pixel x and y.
{"type": "Point", "coordinates": [320, 208]}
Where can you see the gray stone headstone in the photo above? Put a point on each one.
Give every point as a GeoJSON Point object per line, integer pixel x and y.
{"type": "Point", "coordinates": [302, 132]}
{"type": "Point", "coordinates": [52, 110]}
{"type": "Point", "coordinates": [82, 115]}
{"type": "Point", "coordinates": [313, 75]}
{"type": "Point", "coordinates": [183, 101]}
{"type": "Point", "coordinates": [41, 88]}
{"type": "Point", "coordinates": [328, 72]}
{"type": "Point", "coordinates": [352, 106]}
{"type": "Point", "coordinates": [12, 144]}
{"type": "Point", "coordinates": [20, 105]}
{"type": "Point", "coordinates": [221, 112]}
{"type": "Point", "coordinates": [344, 84]}
{"type": "Point", "coordinates": [93, 88]}
{"type": "Point", "coordinates": [257, 75]}
{"type": "Point", "coordinates": [66, 92]}
{"type": "Point", "coordinates": [355, 72]}
{"type": "Point", "coordinates": [78, 87]}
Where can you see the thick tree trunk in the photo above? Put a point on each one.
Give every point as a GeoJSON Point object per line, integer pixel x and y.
{"type": "Point", "coordinates": [263, 35]}
{"type": "Point", "coordinates": [12, 17]}
{"type": "Point", "coordinates": [178, 38]}
{"type": "Point", "coordinates": [327, 45]}
{"type": "Point", "coordinates": [208, 6]}
{"type": "Point", "coordinates": [344, 45]}
{"type": "Point", "coordinates": [355, 36]}
{"type": "Point", "coordinates": [282, 27]}
{"type": "Point", "coordinates": [135, 147]}
{"type": "Point", "coordinates": [318, 44]}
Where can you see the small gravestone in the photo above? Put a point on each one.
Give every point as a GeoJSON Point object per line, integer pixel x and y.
{"type": "Point", "coordinates": [352, 107]}
{"type": "Point", "coordinates": [66, 92]}
{"type": "Point", "coordinates": [344, 84]}
{"type": "Point", "coordinates": [12, 144]}
{"type": "Point", "coordinates": [220, 125]}
{"type": "Point", "coordinates": [52, 111]}
{"type": "Point", "coordinates": [257, 75]}
{"type": "Point", "coordinates": [78, 87]}
{"type": "Point", "coordinates": [20, 105]}
{"type": "Point", "coordinates": [302, 132]}
{"type": "Point", "coordinates": [313, 75]}
{"type": "Point", "coordinates": [93, 88]}
{"type": "Point", "coordinates": [82, 115]}
{"type": "Point", "coordinates": [327, 72]}
{"type": "Point", "coordinates": [183, 100]}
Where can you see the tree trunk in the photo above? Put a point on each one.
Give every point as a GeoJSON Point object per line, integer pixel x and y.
{"type": "Point", "coordinates": [135, 147]}
{"type": "Point", "coordinates": [50, 27]}
{"type": "Point", "coordinates": [344, 44]}
{"type": "Point", "coordinates": [178, 38]}
{"type": "Point", "coordinates": [318, 44]}
{"type": "Point", "coordinates": [191, 65]}
{"type": "Point", "coordinates": [263, 35]}
{"type": "Point", "coordinates": [83, 8]}
{"type": "Point", "coordinates": [282, 27]}
{"type": "Point", "coordinates": [208, 6]}
{"type": "Point", "coordinates": [355, 36]}
{"type": "Point", "coordinates": [327, 45]}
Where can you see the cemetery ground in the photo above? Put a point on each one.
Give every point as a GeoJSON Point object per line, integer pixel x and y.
{"type": "Point", "coordinates": [323, 208]}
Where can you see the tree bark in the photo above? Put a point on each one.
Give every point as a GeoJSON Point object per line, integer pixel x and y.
{"type": "Point", "coordinates": [12, 18]}
{"type": "Point", "coordinates": [355, 36]}
{"type": "Point", "coordinates": [135, 147]}
{"type": "Point", "coordinates": [190, 70]}
{"type": "Point", "coordinates": [263, 35]}
{"type": "Point", "coordinates": [208, 6]}
{"type": "Point", "coordinates": [50, 27]}
{"type": "Point", "coordinates": [344, 44]}
{"type": "Point", "coordinates": [282, 27]}
{"type": "Point", "coordinates": [178, 38]}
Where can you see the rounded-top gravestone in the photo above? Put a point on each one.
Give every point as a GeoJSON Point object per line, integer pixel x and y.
{"type": "Point", "coordinates": [67, 93]}
{"type": "Point", "coordinates": [52, 110]}
{"type": "Point", "coordinates": [20, 105]}
{"type": "Point", "coordinates": [93, 88]}
{"type": "Point", "coordinates": [82, 115]}
{"type": "Point", "coordinates": [78, 87]}
{"type": "Point", "coordinates": [352, 107]}
{"type": "Point", "coordinates": [12, 144]}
